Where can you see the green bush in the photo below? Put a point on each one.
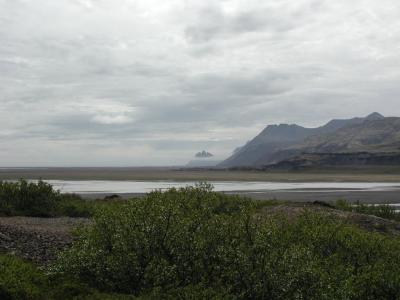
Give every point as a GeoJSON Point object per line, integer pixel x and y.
{"type": "Point", "coordinates": [194, 243]}
{"type": "Point", "coordinates": [40, 199]}
{"type": "Point", "coordinates": [73, 205]}
{"type": "Point", "coordinates": [20, 280]}
{"type": "Point", "coordinates": [28, 198]}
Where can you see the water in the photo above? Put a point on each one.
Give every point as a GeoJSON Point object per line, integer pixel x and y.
{"type": "Point", "coordinates": [136, 187]}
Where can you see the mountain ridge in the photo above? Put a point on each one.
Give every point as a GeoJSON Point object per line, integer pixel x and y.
{"type": "Point", "coordinates": [277, 142]}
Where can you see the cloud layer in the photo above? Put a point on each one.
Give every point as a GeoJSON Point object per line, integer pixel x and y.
{"type": "Point", "coordinates": [96, 82]}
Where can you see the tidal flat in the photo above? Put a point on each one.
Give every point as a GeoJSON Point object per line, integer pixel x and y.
{"type": "Point", "coordinates": [378, 174]}
{"type": "Point", "coordinates": [389, 175]}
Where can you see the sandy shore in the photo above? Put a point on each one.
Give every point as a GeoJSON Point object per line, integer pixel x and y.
{"type": "Point", "coordinates": [354, 175]}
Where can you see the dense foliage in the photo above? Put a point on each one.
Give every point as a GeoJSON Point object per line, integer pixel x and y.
{"type": "Point", "coordinates": [39, 199]}
{"type": "Point", "coordinates": [20, 280]}
{"type": "Point", "coordinates": [194, 243]}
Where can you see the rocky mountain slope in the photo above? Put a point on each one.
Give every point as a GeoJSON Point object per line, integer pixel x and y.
{"type": "Point", "coordinates": [276, 142]}
{"type": "Point", "coordinates": [323, 160]}
{"type": "Point", "coordinates": [373, 142]}
{"type": "Point", "coordinates": [381, 135]}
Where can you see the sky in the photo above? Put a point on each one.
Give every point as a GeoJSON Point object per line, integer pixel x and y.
{"type": "Point", "coordinates": [149, 82]}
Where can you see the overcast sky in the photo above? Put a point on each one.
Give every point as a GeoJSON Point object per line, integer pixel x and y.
{"type": "Point", "coordinates": [150, 82]}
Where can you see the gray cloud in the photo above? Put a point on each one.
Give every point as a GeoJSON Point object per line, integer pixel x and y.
{"type": "Point", "coordinates": [87, 82]}
{"type": "Point", "coordinates": [212, 22]}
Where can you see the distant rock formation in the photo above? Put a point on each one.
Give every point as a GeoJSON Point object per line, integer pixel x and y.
{"type": "Point", "coordinates": [204, 154]}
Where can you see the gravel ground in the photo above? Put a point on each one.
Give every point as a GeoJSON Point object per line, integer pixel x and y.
{"type": "Point", "coordinates": [37, 239]}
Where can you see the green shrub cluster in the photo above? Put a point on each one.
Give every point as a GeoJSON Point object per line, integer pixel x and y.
{"type": "Point", "coordinates": [28, 198]}
{"type": "Point", "coordinates": [21, 280]}
{"type": "Point", "coordinates": [40, 199]}
{"type": "Point", "coordinates": [193, 243]}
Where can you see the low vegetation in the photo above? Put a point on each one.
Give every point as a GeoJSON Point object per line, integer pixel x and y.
{"type": "Point", "coordinates": [19, 279]}
{"type": "Point", "coordinates": [22, 280]}
{"type": "Point", "coordinates": [379, 210]}
{"type": "Point", "coordinates": [40, 199]}
{"type": "Point", "coordinates": [193, 243]}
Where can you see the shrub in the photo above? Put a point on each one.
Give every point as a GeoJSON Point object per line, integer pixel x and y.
{"type": "Point", "coordinates": [28, 198]}
{"type": "Point", "coordinates": [155, 241]}
{"type": "Point", "coordinates": [73, 205]}
{"type": "Point", "coordinates": [40, 199]}
{"type": "Point", "coordinates": [194, 243]}
{"type": "Point", "coordinates": [19, 280]}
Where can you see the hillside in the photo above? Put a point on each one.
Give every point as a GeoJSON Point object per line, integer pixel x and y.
{"type": "Point", "coordinates": [265, 148]}
{"type": "Point", "coordinates": [270, 140]}
{"type": "Point", "coordinates": [381, 135]}
{"type": "Point", "coordinates": [373, 142]}
{"type": "Point", "coordinates": [324, 160]}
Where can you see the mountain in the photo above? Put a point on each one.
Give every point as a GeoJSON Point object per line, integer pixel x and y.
{"type": "Point", "coordinates": [324, 160]}
{"type": "Point", "coordinates": [270, 140]}
{"type": "Point", "coordinates": [373, 135]}
{"type": "Point", "coordinates": [336, 124]}
{"type": "Point", "coordinates": [266, 148]}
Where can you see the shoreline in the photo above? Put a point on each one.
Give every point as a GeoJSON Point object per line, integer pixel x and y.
{"type": "Point", "coordinates": [175, 174]}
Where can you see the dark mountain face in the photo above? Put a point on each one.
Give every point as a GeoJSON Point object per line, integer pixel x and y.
{"type": "Point", "coordinates": [273, 138]}
{"type": "Point", "coordinates": [374, 116]}
{"type": "Point", "coordinates": [336, 124]}
{"type": "Point", "coordinates": [373, 135]}
{"type": "Point", "coordinates": [278, 142]}
{"type": "Point", "coordinates": [270, 140]}
{"type": "Point", "coordinates": [324, 160]}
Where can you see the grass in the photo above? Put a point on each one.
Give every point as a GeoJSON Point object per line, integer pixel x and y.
{"type": "Point", "coordinates": [380, 210]}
